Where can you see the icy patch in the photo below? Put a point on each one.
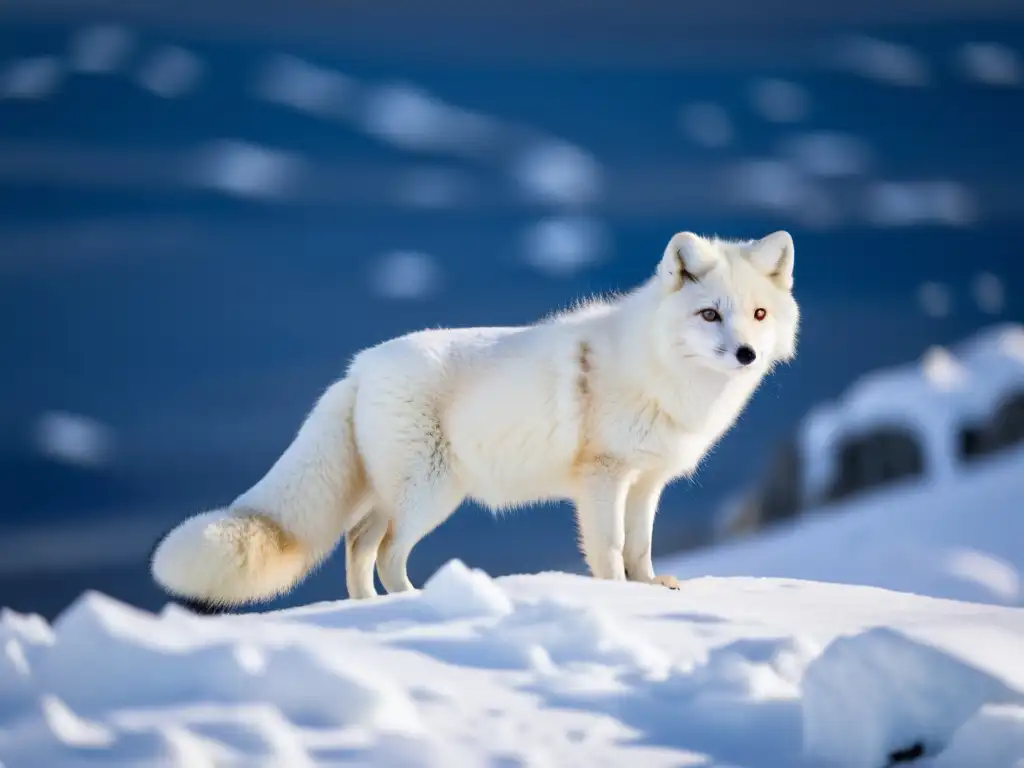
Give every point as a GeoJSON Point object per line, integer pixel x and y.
{"type": "Point", "coordinates": [565, 245]}
{"type": "Point", "coordinates": [433, 188]}
{"type": "Point", "coordinates": [992, 575]}
{"type": "Point", "coordinates": [558, 174]}
{"type": "Point", "coordinates": [412, 119]}
{"type": "Point", "coordinates": [935, 299]}
{"type": "Point", "coordinates": [878, 693]}
{"type": "Point", "coordinates": [780, 101]}
{"type": "Point", "coordinates": [891, 204]}
{"type": "Point", "coordinates": [829, 155]}
{"type": "Point", "coordinates": [171, 72]}
{"type": "Point", "coordinates": [165, 665]}
{"type": "Point", "coordinates": [73, 439]}
{"type": "Point", "coordinates": [100, 49]}
{"type": "Point", "coordinates": [711, 706]}
{"type": "Point", "coordinates": [993, 737]}
{"type": "Point", "coordinates": [770, 184]}
{"type": "Point", "coordinates": [70, 729]}
{"type": "Point", "coordinates": [579, 647]}
{"type": "Point", "coordinates": [989, 293]}
{"type": "Point", "coordinates": [707, 124]}
{"type": "Point", "coordinates": [991, 64]}
{"type": "Point", "coordinates": [298, 84]}
{"type": "Point", "coordinates": [35, 78]}
{"type": "Point", "coordinates": [458, 592]}
{"type": "Point", "coordinates": [543, 670]}
{"type": "Point", "coordinates": [21, 636]}
{"type": "Point", "coordinates": [405, 275]}
{"type": "Point", "coordinates": [248, 170]}
{"type": "Point", "coordinates": [886, 62]}
{"type": "Point", "coordinates": [553, 633]}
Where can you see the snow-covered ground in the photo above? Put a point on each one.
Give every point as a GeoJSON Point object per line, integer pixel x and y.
{"type": "Point", "coordinates": [538, 670]}
{"type": "Point", "coordinates": [876, 632]}
{"type": "Point", "coordinates": [959, 539]}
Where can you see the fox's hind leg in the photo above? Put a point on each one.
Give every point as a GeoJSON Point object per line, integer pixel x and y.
{"type": "Point", "coordinates": [422, 508]}
{"type": "Point", "coordinates": [361, 545]}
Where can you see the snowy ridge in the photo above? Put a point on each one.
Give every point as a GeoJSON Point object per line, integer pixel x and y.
{"type": "Point", "coordinates": [934, 397]}
{"type": "Point", "coordinates": [885, 632]}
{"type": "Point", "coordinates": [957, 540]}
{"type": "Point", "coordinates": [541, 670]}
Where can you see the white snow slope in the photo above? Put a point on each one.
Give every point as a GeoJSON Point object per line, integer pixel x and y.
{"type": "Point", "coordinates": [883, 627]}
{"type": "Point", "coordinates": [960, 539]}
{"type": "Point", "coordinates": [542, 670]}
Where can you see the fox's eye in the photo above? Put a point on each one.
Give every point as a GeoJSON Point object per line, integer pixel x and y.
{"type": "Point", "coordinates": [760, 313]}
{"type": "Point", "coordinates": [711, 315]}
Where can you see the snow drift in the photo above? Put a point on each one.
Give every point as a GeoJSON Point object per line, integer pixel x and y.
{"type": "Point", "coordinates": [882, 631]}
{"type": "Point", "coordinates": [542, 670]}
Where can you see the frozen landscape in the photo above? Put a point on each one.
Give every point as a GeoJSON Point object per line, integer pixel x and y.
{"type": "Point", "coordinates": [882, 631]}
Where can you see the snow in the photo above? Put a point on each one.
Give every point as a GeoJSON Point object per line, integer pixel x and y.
{"type": "Point", "coordinates": [248, 170]}
{"type": "Point", "coordinates": [915, 203]}
{"type": "Point", "coordinates": [413, 119]}
{"type": "Point", "coordinates": [303, 86]}
{"type": "Point", "coordinates": [958, 539]}
{"type": "Point", "coordinates": [100, 49]}
{"type": "Point", "coordinates": [885, 630]}
{"type": "Point", "coordinates": [934, 397]}
{"type": "Point", "coordinates": [707, 124]}
{"type": "Point", "coordinates": [35, 78]}
{"type": "Point", "coordinates": [991, 64]}
{"type": "Point", "coordinates": [989, 293]}
{"type": "Point", "coordinates": [564, 245]}
{"type": "Point", "coordinates": [557, 173]}
{"type": "Point", "coordinates": [883, 61]}
{"type": "Point", "coordinates": [171, 72]}
{"type": "Point", "coordinates": [828, 154]}
{"type": "Point", "coordinates": [73, 439]}
{"type": "Point", "coordinates": [780, 101]}
{"type": "Point", "coordinates": [405, 275]}
{"type": "Point", "coordinates": [535, 670]}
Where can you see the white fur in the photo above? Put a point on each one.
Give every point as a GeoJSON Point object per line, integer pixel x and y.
{"type": "Point", "coordinates": [603, 405]}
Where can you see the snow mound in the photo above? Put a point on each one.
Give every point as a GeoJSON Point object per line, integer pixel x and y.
{"type": "Point", "coordinates": [543, 670]}
{"type": "Point", "coordinates": [878, 695]}
{"type": "Point", "coordinates": [456, 591]}
{"type": "Point", "coordinates": [933, 397]}
{"type": "Point", "coordinates": [959, 539]}
{"type": "Point", "coordinates": [994, 736]}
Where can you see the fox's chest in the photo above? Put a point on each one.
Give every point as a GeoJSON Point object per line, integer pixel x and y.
{"type": "Point", "coordinates": [651, 441]}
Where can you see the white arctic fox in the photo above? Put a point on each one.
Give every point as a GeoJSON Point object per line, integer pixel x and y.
{"type": "Point", "coordinates": [603, 405]}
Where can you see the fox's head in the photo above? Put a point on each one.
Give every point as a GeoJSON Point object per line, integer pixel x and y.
{"type": "Point", "coordinates": [727, 305]}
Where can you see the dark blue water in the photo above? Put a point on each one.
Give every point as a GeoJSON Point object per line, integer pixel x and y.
{"type": "Point", "coordinates": [199, 327]}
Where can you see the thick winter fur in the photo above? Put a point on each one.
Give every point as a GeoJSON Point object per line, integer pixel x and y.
{"type": "Point", "coordinates": [603, 405]}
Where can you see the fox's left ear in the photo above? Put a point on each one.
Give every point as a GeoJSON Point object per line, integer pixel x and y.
{"type": "Point", "coordinates": [773, 256]}
{"type": "Point", "coordinates": [687, 256]}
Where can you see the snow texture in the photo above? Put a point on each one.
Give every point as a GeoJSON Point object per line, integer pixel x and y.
{"type": "Point", "coordinates": [539, 670]}
{"type": "Point", "coordinates": [933, 397]}
{"type": "Point", "coordinates": [958, 539]}
{"type": "Point", "coordinates": [884, 632]}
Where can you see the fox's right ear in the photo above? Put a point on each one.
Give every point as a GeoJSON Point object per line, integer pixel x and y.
{"type": "Point", "coordinates": [687, 257]}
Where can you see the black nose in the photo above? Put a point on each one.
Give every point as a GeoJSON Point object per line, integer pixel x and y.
{"type": "Point", "coordinates": [746, 355]}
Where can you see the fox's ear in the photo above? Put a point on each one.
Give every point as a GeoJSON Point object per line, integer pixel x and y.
{"type": "Point", "coordinates": [773, 256]}
{"type": "Point", "coordinates": [687, 257]}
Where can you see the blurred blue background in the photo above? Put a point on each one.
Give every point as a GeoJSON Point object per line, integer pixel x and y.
{"type": "Point", "coordinates": [207, 209]}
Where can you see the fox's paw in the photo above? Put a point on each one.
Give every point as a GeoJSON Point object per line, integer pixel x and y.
{"type": "Point", "coordinates": [667, 581]}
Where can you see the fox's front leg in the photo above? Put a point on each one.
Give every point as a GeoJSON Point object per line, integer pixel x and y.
{"type": "Point", "coordinates": [601, 517]}
{"type": "Point", "coordinates": [641, 508]}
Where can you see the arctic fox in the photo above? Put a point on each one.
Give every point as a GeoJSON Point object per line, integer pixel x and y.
{"type": "Point", "coordinates": [602, 405]}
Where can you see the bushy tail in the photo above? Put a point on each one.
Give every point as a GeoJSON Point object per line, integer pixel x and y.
{"type": "Point", "coordinates": [275, 533]}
